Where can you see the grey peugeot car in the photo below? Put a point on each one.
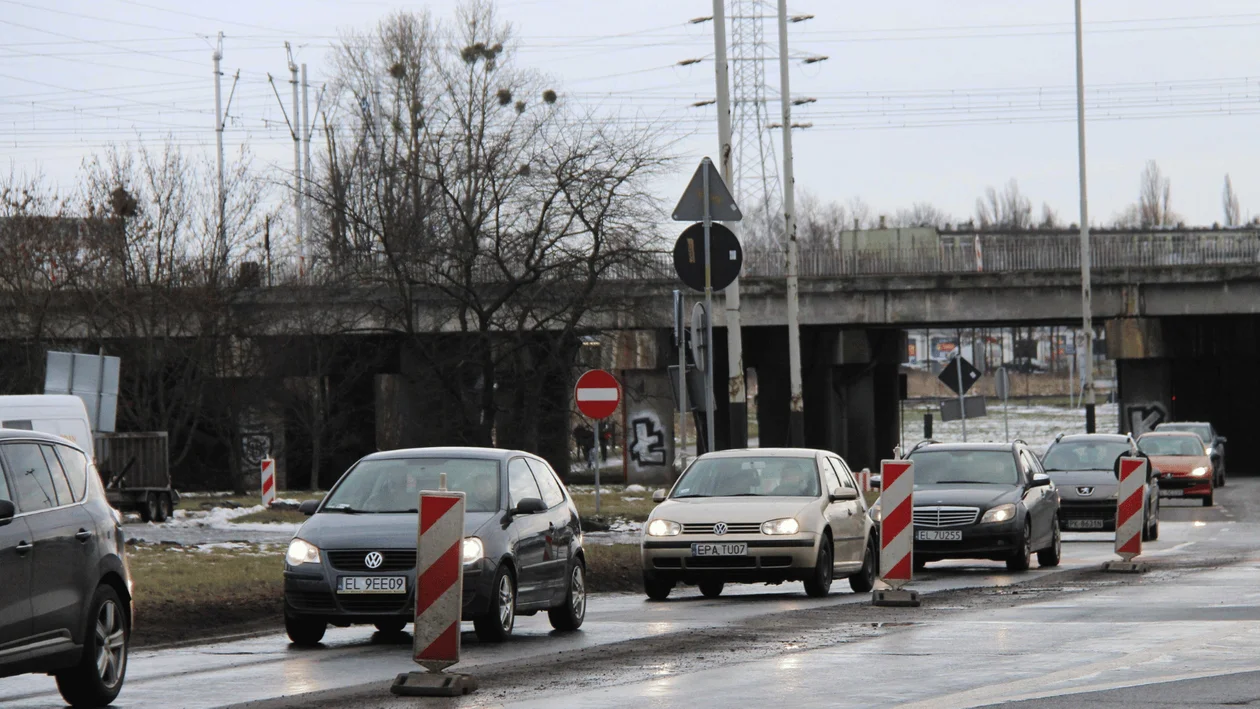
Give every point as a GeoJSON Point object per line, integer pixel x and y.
{"type": "Point", "coordinates": [1086, 469]}
{"type": "Point", "coordinates": [354, 561]}
{"type": "Point", "coordinates": [65, 590]}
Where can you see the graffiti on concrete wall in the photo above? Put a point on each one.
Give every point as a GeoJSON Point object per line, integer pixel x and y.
{"type": "Point", "coordinates": [1144, 416]}
{"type": "Point", "coordinates": [647, 440]}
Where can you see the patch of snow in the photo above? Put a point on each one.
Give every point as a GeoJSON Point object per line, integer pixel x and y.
{"type": "Point", "coordinates": [635, 489]}
{"type": "Point", "coordinates": [221, 518]}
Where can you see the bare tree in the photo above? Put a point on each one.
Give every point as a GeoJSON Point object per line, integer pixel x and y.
{"type": "Point", "coordinates": [1049, 217]}
{"type": "Point", "coordinates": [467, 185]}
{"type": "Point", "coordinates": [921, 214]}
{"type": "Point", "coordinates": [1229, 202]}
{"type": "Point", "coordinates": [1008, 209]}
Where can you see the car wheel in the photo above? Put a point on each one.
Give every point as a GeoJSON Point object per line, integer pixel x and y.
{"type": "Point", "coordinates": [712, 589]}
{"type": "Point", "coordinates": [572, 612]}
{"type": "Point", "coordinates": [819, 584]}
{"type": "Point", "coordinates": [1222, 477]}
{"type": "Point", "coordinates": [1210, 499]}
{"type": "Point", "coordinates": [304, 632]}
{"type": "Point", "coordinates": [1022, 559]}
{"type": "Point", "coordinates": [391, 626]}
{"type": "Point", "coordinates": [864, 580]}
{"type": "Point", "coordinates": [1151, 532]}
{"type": "Point", "coordinates": [1051, 555]}
{"type": "Point", "coordinates": [919, 564]}
{"type": "Point", "coordinates": [657, 590]}
{"type": "Point", "coordinates": [496, 625]}
{"type": "Point", "coordinates": [164, 507]}
{"type": "Point", "coordinates": [98, 677]}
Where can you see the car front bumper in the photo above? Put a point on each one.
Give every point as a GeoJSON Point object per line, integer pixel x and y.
{"type": "Point", "coordinates": [308, 591]}
{"type": "Point", "coordinates": [1087, 515]}
{"type": "Point", "coordinates": [786, 558]}
{"type": "Point", "coordinates": [1187, 486]}
{"type": "Point", "coordinates": [979, 541]}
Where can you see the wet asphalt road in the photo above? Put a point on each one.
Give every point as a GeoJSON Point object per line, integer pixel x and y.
{"type": "Point", "coordinates": [979, 640]}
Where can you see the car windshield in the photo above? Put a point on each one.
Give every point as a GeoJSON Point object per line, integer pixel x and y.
{"type": "Point", "coordinates": [1084, 455]}
{"type": "Point", "coordinates": [1170, 445]}
{"type": "Point", "coordinates": [979, 467]}
{"type": "Point", "coordinates": [394, 484]}
{"type": "Point", "coordinates": [752, 476]}
{"type": "Point", "coordinates": [1203, 431]}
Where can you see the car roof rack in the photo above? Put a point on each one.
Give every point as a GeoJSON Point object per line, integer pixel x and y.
{"type": "Point", "coordinates": [1059, 437]}
{"type": "Point", "coordinates": [924, 442]}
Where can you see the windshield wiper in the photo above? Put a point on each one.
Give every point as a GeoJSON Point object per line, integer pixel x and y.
{"type": "Point", "coordinates": [679, 497]}
{"type": "Point", "coordinates": [964, 482]}
{"type": "Point", "coordinates": [342, 508]}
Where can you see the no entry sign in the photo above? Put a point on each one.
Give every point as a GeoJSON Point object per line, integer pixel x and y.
{"type": "Point", "coordinates": [597, 394]}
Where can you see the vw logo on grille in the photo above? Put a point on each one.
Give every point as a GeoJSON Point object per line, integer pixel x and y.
{"type": "Point", "coordinates": [1085, 491]}
{"type": "Point", "coordinates": [373, 560]}
{"type": "Point", "coordinates": [719, 528]}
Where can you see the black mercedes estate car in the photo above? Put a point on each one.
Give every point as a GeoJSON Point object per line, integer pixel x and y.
{"type": "Point", "coordinates": [354, 561]}
{"type": "Point", "coordinates": [983, 501]}
{"type": "Point", "coordinates": [65, 590]}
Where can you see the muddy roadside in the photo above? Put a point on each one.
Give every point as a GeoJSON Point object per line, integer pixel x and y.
{"type": "Point", "coordinates": [765, 636]}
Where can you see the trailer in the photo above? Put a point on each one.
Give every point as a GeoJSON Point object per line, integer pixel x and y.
{"type": "Point", "coordinates": [136, 471]}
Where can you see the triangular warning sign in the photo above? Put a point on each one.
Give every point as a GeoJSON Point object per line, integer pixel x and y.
{"type": "Point", "coordinates": [722, 207]}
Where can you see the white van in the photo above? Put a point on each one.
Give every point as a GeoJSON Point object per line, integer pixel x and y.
{"type": "Point", "coordinates": [59, 414]}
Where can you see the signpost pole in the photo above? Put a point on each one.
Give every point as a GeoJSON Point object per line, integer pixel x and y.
{"type": "Point", "coordinates": [796, 412]}
{"type": "Point", "coordinates": [708, 312]}
{"type": "Point", "coordinates": [680, 331]}
{"type": "Point", "coordinates": [598, 465]}
{"type": "Point", "coordinates": [962, 391]}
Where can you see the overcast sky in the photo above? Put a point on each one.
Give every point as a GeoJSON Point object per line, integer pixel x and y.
{"type": "Point", "coordinates": [919, 100]}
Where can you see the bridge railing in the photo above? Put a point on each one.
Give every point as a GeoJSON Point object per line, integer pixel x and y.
{"type": "Point", "coordinates": [1007, 253]}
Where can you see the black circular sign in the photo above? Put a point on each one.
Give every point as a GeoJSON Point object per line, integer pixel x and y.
{"type": "Point", "coordinates": [728, 256]}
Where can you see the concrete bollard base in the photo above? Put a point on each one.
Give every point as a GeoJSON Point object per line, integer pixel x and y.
{"type": "Point", "coordinates": [1125, 567]}
{"type": "Point", "coordinates": [433, 684]}
{"type": "Point", "coordinates": [896, 598]}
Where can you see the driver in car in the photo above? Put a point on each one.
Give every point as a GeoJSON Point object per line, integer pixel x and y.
{"type": "Point", "coordinates": [792, 481]}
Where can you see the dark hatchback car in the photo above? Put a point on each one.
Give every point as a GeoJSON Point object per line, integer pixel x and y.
{"type": "Point", "coordinates": [354, 561]}
{"type": "Point", "coordinates": [65, 591]}
{"type": "Point", "coordinates": [983, 501]}
{"type": "Point", "coordinates": [1085, 467]}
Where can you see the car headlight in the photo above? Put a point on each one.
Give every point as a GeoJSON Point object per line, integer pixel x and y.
{"type": "Point", "coordinates": [474, 550]}
{"type": "Point", "coordinates": [875, 512]}
{"type": "Point", "coordinates": [302, 552]}
{"type": "Point", "coordinates": [1001, 513]}
{"type": "Point", "coordinates": [1207, 450]}
{"type": "Point", "coordinates": [781, 526]}
{"type": "Point", "coordinates": [1199, 472]}
{"type": "Point", "coordinates": [663, 528]}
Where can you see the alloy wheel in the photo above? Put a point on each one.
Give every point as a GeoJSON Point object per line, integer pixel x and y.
{"type": "Point", "coordinates": [111, 644]}
{"type": "Point", "coordinates": [577, 592]}
{"type": "Point", "coordinates": [507, 602]}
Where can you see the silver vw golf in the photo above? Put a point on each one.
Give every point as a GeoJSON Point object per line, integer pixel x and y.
{"type": "Point", "coordinates": [761, 515]}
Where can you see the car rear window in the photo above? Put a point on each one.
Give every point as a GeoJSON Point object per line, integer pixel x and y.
{"type": "Point", "coordinates": [31, 480]}
{"type": "Point", "coordinates": [1170, 445]}
{"type": "Point", "coordinates": [978, 467]}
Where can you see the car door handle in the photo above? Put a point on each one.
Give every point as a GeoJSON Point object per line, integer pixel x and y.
{"type": "Point", "coordinates": [83, 535]}
{"type": "Point", "coordinates": [24, 547]}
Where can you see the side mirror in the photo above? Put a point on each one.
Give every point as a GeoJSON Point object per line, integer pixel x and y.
{"type": "Point", "coordinates": [7, 510]}
{"type": "Point", "coordinates": [1039, 480]}
{"type": "Point", "coordinates": [844, 494]}
{"type": "Point", "coordinates": [877, 482]}
{"type": "Point", "coordinates": [530, 506]}
{"type": "Point", "coordinates": [308, 507]}
{"type": "Point", "coordinates": [658, 496]}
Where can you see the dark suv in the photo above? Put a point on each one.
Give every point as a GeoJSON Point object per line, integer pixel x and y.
{"type": "Point", "coordinates": [65, 591]}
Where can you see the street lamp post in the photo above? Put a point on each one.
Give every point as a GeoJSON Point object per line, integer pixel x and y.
{"type": "Point", "coordinates": [1086, 294]}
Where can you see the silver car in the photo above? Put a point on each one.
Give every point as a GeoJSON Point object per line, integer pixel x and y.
{"type": "Point", "coordinates": [760, 516]}
{"type": "Point", "coordinates": [1086, 469]}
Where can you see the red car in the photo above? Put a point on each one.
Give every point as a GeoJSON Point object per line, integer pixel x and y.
{"type": "Point", "coordinates": [1185, 471]}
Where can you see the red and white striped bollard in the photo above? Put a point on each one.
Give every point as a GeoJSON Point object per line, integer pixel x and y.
{"type": "Point", "coordinates": [896, 533]}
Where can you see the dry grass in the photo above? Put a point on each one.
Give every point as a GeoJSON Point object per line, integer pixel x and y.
{"type": "Point", "coordinates": [615, 505]}
{"type": "Point", "coordinates": [616, 567]}
{"type": "Point", "coordinates": [184, 594]}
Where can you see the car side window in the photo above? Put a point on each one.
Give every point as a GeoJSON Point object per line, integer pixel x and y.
{"type": "Point", "coordinates": [832, 476]}
{"type": "Point", "coordinates": [552, 493]}
{"type": "Point", "coordinates": [58, 476]}
{"type": "Point", "coordinates": [4, 487]}
{"type": "Point", "coordinates": [76, 466]}
{"type": "Point", "coordinates": [841, 473]}
{"type": "Point", "coordinates": [521, 483]}
{"type": "Point", "coordinates": [31, 480]}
